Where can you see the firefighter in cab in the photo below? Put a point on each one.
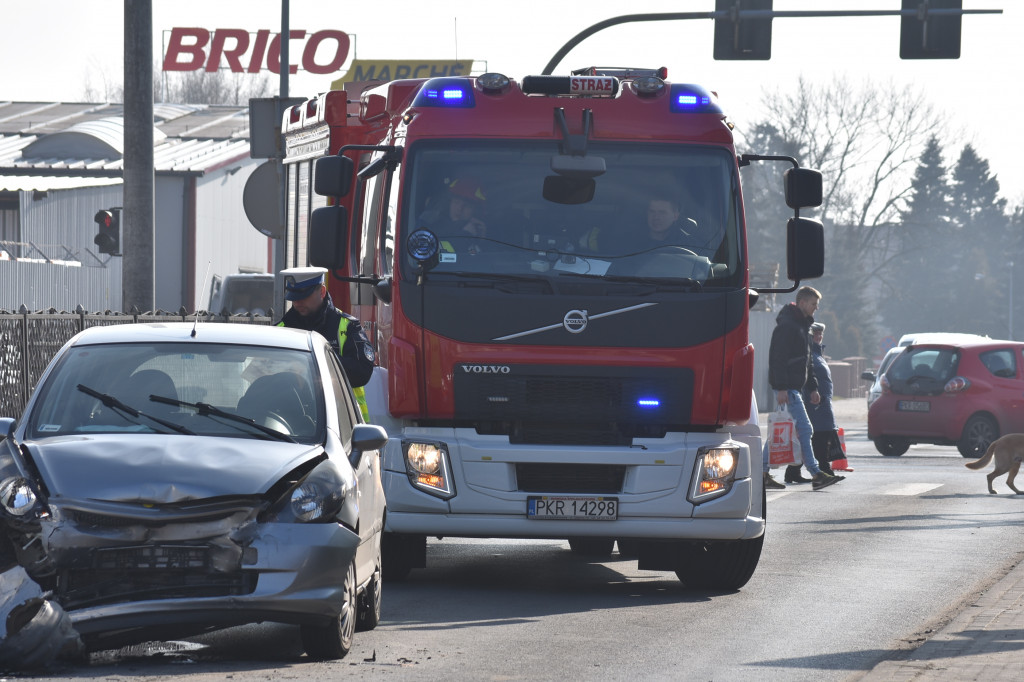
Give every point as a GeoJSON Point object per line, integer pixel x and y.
{"type": "Point", "coordinates": [457, 219]}
{"type": "Point", "coordinates": [312, 309]}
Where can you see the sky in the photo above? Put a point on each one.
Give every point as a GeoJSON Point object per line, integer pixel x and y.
{"type": "Point", "coordinates": [56, 49]}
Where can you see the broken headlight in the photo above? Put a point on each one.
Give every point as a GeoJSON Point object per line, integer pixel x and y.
{"type": "Point", "coordinates": [17, 497]}
{"type": "Point", "coordinates": [318, 498]}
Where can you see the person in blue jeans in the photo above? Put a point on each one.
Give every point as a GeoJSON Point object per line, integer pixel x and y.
{"type": "Point", "coordinates": [789, 372]}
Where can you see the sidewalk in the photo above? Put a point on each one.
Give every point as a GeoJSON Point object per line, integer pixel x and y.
{"type": "Point", "coordinates": [983, 641]}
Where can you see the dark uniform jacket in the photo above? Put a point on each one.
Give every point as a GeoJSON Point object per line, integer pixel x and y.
{"type": "Point", "coordinates": [357, 353]}
{"type": "Point", "coordinates": [821, 415]}
{"type": "Point", "coordinates": [789, 357]}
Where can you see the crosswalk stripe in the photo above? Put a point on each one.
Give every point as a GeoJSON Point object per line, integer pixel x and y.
{"type": "Point", "coordinates": [912, 489]}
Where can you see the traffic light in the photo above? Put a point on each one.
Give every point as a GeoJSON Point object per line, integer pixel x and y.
{"type": "Point", "coordinates": [926, 35]}
{"type": "Point", "coordinates": [108, 238]}
{"type": "Point", "coordinates": [738, 38]}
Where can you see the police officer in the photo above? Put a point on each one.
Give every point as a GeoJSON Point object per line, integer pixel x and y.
{"type": "Point", "coordinates": [313, 310]}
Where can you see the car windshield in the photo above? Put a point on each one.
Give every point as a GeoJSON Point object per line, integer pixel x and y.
{"type": "Point", "coordinates": [186, 388]}
{"type": "Point", "coordinates": [922, 370]}
{"type": "Point", "coordinates": [657, 212]}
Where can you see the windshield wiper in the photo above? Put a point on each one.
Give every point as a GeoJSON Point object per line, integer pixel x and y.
{"type": "Point", "coordinates": [207, 410]}
{"type": "Point", "coordinates": [683, 282]}
{"type": "Point", "coordinates": [113, 403]}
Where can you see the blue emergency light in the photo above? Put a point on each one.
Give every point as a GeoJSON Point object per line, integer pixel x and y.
{"type": "Point", "coordinates": [446, 92]}
{"type": "Point", "coordinates": [648, 403]}
{"type": "Point", "coordinates": [692, 99]}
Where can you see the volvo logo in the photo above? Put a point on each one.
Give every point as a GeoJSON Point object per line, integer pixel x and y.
{"type": "Point", "coordinates": [486, 369]}
{"type": "Point", "coordinates": [575, 321]}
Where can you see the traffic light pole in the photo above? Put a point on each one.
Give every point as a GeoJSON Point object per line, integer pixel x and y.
{"type": "Point", "coordinates": [735, 14]}
{"type": "Point", "coordinates": [138, 274]}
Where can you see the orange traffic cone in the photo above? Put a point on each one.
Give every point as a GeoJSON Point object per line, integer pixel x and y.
{"type": "Point", "coordinates": [841, 464]}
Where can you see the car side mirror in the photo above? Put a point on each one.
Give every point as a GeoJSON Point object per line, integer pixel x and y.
{"type": "Point", "coordinates": [366, 437]}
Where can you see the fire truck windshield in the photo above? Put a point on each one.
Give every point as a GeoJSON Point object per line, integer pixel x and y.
{"type": "Point", "coordinates": [658, 211]}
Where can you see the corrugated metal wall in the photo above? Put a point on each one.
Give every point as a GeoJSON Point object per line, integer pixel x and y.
{"type": "Point", "coordinates": [57, 226]}
{"type": "Point", "coordinates": [224, 235]}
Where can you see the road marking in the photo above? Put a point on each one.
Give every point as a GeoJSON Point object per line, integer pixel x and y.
{"type": "Point", "coordinates": [912, 489]}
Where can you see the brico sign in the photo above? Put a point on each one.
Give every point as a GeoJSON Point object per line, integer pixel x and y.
{"type": "Point", "coordinates": [192, 49]}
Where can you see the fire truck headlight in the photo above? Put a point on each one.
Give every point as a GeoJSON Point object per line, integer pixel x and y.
{"type": "Point", "coordinates": [715, 472]}
{"type": "Point", "coordinates": [427, 465]}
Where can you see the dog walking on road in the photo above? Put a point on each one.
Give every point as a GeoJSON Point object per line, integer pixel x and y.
{"type": "Point", "coordinates": [1008, 452]}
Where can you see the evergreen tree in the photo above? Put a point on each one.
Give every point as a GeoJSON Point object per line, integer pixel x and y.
{"type": "Point", "coordinates": [916, 283]}
{"type": "Point", "coordinates": [981, 249]}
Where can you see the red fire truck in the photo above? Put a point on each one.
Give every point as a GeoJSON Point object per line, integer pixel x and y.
{"type": "Point", "coordinates": [554, 274]}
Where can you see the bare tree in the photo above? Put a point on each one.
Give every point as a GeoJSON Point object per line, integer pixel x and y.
{"type": "Point", "coordinates": [867, 141]}
{"type": "Point", "coordinates": [204, 87]}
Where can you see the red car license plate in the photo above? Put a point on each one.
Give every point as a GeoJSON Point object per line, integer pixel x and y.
{"type": "Point", "coordinates": [914, 406]}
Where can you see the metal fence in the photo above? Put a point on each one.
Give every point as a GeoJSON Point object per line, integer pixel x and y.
{"type": "Point", "coordinates": [28, 341]}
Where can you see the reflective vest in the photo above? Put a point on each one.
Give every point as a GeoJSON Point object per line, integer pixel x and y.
{"type": "Point", "coordinates": [359, 393]}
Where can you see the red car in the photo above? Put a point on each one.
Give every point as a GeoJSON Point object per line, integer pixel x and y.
{"type": "Point", "coordinates": [965, 394]}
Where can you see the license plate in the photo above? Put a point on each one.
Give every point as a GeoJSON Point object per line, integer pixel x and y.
{"type": "Point", "coordinates": [914, 406]}
{"type": "Point", "coordinates": [573, 508]}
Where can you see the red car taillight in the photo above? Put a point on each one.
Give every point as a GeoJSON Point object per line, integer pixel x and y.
{"type": "Point", "coordinates": [956, 385]}
{"type": "Point", "coordinates": [884, 383]}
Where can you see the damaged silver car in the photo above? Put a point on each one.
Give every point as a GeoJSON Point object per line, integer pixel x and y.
{"type": "Point", "coordinates": [171, 479]}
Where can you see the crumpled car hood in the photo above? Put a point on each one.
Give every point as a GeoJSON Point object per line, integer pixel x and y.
{"type": "Point", "coordinates": [163, 468]}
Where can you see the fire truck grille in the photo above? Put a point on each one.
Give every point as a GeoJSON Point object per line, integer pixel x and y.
{"type": "Point", "coordinates": [582, 402]}
{"type": "Point", "coordinates": [570, 478]}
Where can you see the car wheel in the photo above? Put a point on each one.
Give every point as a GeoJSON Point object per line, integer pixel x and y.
{"type": "Point", "coordinates": [369, 600]}
{"type": "Point", "coordinates": [592, 547]}
{"type": "Point", "coordinates": [720, 565]}
{"type": "Point", "coordinates": [979, 432]}
{"type": "Point", "coordinates": [333, 641]}
{"type": "Point", "coordinates": [892, 447]}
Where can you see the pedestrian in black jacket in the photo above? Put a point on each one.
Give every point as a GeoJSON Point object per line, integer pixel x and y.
{"type": "Point", "coordinates": [789, 371]}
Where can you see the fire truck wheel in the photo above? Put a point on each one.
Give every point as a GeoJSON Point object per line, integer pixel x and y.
{"type": "Point", "coordinates": [718, 566]}
{"type": "Point", "coordinates": [592, 547]}
{"type": "Point", "coordinates": [629, 548]}
{"type": "Point", "coordinates": [402, 553]}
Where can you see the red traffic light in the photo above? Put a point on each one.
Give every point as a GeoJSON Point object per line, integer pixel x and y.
{"type": "Point", "coordinates": [108, 237]}
{"type": "Point", "coordinates": [104, 218]}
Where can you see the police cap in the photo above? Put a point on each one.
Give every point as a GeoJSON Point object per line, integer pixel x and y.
{"type": "Point", "coordinates": [301, 282]}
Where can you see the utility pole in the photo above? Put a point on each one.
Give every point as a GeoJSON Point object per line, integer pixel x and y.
{"type": "Point", "coordinates": [138, 277]}
{"type": "Point", "coordinates": [281, 245]}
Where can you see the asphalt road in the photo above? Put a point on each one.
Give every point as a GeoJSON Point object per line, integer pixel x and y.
{"type": "Point", "coordinates": [849, 575]}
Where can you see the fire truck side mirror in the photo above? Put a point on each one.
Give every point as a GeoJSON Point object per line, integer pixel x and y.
{"type": "Point", "coordinates": [803, 187]}
{"type": "Point", "coordinates": [805, 249]}
{"type": "Point", "coordinates": [332, 176]}
{"type": "Point", "coordinates": [327, 237]}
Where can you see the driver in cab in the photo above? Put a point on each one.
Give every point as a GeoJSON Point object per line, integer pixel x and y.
{"type": "Point", "coordinates": [665, 227]}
